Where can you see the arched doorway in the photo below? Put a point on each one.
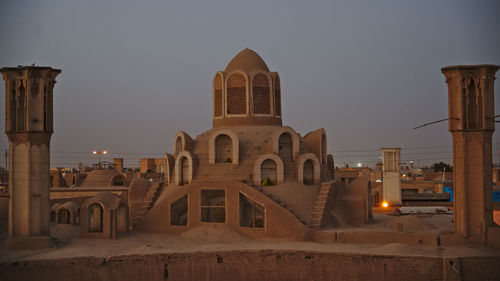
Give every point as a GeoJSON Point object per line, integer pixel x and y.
{"type": "Point", "coordinates": [95, 217]}
{"type": "Point", "coordinates": [308, 172]}
{"type": "Point", "coordinates": [184, 173]}
{"type": "Point", "coordinates": [268, 171]}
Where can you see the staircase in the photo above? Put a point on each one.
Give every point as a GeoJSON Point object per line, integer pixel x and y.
{"type": "Point", "coordinates": [149, 200]}
{"type": "Point", "coordinates": [278, 201]}
{"type": "Point", "coordinates": [320, 205]}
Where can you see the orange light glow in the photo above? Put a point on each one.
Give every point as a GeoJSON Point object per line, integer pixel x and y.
{"type": "Point", "coordinates": [385, 204]}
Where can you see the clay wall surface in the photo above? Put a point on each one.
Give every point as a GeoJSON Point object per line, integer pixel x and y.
{"type": "Point", "coordinates": [278, 222]}
{"type": "Point", "coordinates": [254, 265]}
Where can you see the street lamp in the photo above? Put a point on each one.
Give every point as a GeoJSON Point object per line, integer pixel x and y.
{"type": "Point", "coordinates": [104, 152]}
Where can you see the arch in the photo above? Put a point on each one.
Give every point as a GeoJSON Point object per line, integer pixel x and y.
{"type": "Point", "coordinates": [212, 146]}
{"type": "Point", "coordinates": [294, 138]}
{"type": "Point", "coordinates": [182, 142]}
{"type": "Point", "coordinates": [268, 171]}
{"type": "Point", "coordinates": [184, 170]}
{"type": "Point", "coordinates": [178, 144]}
{"type": "Point", "coordinates": [169, 167]}
{"type": "Point", "coordinates": [237, 94]}
{"type": "Point", "coordinates": [308, 172]}
{"type": "Point", "coordinates": [21, 109]}
{"type": "Point", "coordinates": [64, 216]}
{"type": "Point", "coordinates": [218, 84]}
{"type": "Point", "coordinates": [472, 112]}
{"type": "Point", "coordinates": [301, 160]}
{"type": "Point", "coordinates": [257, 170]}
{"type": "Point", "coordinates": [277, 96]}
{"type": "Point", "coordinates": [261, 94]}
{"type": "Point", "coordinates": [95, 217]}
{"type": "Point", "coordinates": [117, 180]}
{"type": "Point", "coordinates": [223, 149]}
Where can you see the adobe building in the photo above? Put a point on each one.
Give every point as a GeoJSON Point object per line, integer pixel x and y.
{"type": "Point", "coordinates": [28, 125]}
{"type": "Point", "coordinates": [391, 175]}
{"type": "Point", "coordinates": [249, 172]}
{"type": "Point", "coordinates": [472, 123]}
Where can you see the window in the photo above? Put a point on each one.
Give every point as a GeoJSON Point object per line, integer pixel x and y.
{"type": "Point", "coordinates": [261, 97]}
{"type": "Point", "coordinates": [179, 212]}
{"type": "Point", "coordinates": [95, 217]}
{"type": "Point", "coordinates": [308, 172]}
{"type": "Point", "coordinates": [213, 206]}
{"type": "Point", "coordinates": [218, 95]}
{"type": "Point", "coordinates": [277, 96]}
{"type": "Point", "coordinates": [223, 149]}
{"type": "Point", "coordinates": [251, 213]}
{"type": "Point", "coordinates": [236, 94]}
{"type": "Point", "coordinates": [178, 145]}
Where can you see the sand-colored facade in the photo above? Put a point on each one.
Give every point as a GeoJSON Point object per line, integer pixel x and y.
{"type": "Point", "coordinates": [249, 171]}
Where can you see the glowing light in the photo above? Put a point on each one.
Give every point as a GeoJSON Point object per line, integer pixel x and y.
{"type": "Point", "coordinates": [94, 152]}
{"type": "Point", "coordinates": [105, 152]}
{"type": "Point", "coordinates": [385, 204]}
{"type": "Point", "coordinates": [359, 164]}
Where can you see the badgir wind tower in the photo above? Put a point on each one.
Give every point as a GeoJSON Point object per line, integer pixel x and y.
{"type": "Point", "coordinates": [249, 172]}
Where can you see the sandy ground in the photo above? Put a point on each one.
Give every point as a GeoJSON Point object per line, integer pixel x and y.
{"type": "Point", "coordinates": [217, 238]}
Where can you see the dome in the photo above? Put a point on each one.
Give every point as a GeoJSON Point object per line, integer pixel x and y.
{"type": "Point", "coordinates": [246, 61]}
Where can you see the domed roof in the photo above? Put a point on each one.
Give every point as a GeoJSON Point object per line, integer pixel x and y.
{"type": "Point", "coordinates": [246, 61]}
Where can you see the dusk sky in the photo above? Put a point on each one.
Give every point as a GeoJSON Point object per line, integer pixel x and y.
{"type": "Point", "coordinates": [134, 73]}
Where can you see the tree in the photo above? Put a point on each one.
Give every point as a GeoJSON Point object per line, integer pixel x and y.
{"type": "Point", "coordinates": [438, 167]}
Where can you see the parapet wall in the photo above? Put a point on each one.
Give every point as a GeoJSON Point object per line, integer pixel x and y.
{"type": "Point", "coordinates": [254, 265]}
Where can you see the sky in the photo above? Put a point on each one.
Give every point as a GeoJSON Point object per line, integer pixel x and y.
{"type": "Point", "coordinates": [134, 73]}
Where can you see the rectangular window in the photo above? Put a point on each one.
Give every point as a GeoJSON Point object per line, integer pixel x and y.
{"type": "Point", "coordinates": [251, 213]}
{"type": "Point", "coordinates": [213, 206]}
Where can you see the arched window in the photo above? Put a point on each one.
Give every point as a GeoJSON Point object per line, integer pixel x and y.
{"type": "Point", "coordinates": [236, 94]}
{"type": "Point", "coordinates": [261, 96]}
{"type": "Point", "coordinates": [223, 149]}
{"type": "Point", "coordinates": [472, 106]}
{"type": "Point", "coordinates": [178, 145]}
{"type": "Point", "coordinates": [122, 218]}
{"type": "Point", "coordinates": [277, 96]}
{"type": "Point", "coordinates": [20, 107]}
{"type": "Point", "coordinates": [64, 216]}
{"type": "Point", "coordinates": [218, 100]}
{"type": "Point", "coordinates": [184, 173]}
{"type": "Point", "coordinates": [95, 217]}
{"type": "Point", "coordinates": [268, 173]}
{"type": "Point", "coordinates": [308, 172]}
{"type": "Point", "coordinates": [285, 149]}
{"type": "Point", "coordinates": [13, 108]}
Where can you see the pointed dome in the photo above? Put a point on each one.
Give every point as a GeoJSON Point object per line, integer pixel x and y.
{"type": "Point", "coordinates": [246, 61]}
